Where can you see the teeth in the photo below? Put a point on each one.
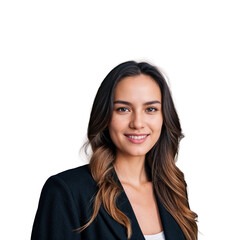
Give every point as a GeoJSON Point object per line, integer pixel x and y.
{"type": "Point", "coordinates": [137, 137]}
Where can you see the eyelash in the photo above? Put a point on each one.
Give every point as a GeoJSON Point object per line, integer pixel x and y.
{"type": "Point", "coordinates": [155, 109]}
{"type": "Point", "coordinates": [120, 109]}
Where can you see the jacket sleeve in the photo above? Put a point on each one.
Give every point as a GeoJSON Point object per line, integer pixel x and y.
{"type": "Point", "coordinates": [57, 217]}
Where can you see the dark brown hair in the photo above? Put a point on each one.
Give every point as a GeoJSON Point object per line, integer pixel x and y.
{"type": "Point", "coordinates": [167, 179]}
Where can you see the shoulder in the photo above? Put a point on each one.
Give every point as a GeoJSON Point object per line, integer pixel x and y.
{"type": "Point", "coordinates": [75, 175]}
{"type": "Point", "coordinates": [75, 181]}
{"type": "Point", "coordinates": [64, 200]}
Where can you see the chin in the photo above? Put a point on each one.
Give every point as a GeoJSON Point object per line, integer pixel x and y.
{"type": "Point", "coordinates": [137, 153]}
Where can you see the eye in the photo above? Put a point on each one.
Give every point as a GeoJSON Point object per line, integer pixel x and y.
{"type": "Point", "coordinates": [151, 109]}
{"type": "Point", "coordinates": [122, 109]}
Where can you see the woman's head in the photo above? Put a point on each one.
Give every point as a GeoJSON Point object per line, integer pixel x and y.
{"type": "Point", "coordinates": [136, 120]}
{"type": "Point", "coordinates": [130, 73]}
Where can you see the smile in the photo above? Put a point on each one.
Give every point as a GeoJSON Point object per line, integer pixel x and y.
{"type": "Point", "coordinates": [136, 138]}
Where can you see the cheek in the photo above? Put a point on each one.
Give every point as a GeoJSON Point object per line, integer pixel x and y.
{"type": "Point", "coordinates": [156, 125]}
{"type": "Point", "coordinates": [157, 128]}
{"type": "Point", "coordinates": [114, 128]}
{"type": "Point", "coordinates": [117, 124]}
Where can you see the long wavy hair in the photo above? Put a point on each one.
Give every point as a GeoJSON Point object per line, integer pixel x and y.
{"type": "Point", "coordinates": [166, 177]}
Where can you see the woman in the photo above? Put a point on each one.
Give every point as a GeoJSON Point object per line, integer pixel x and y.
{"type": "Point", "coordinates": [131, 189]}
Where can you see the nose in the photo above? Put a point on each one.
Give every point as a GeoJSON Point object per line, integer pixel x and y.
{"type": "Point", "coordinates": [137, 121]}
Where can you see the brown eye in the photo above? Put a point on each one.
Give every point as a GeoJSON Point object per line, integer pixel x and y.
{"type": "Point", "coordinates": [122, 109]}
{"type": "Point", "coordinates": [152, 109]}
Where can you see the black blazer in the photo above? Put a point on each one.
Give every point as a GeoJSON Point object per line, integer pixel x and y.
{"type": "Point", "coordinates": [66, 202]}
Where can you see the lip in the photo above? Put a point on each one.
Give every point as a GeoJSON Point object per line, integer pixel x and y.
{"type": "Point", "coordinates": [136, 140]}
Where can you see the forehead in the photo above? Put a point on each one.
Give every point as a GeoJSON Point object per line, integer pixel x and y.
{"type": "Point", "coordinates": [140, 87]}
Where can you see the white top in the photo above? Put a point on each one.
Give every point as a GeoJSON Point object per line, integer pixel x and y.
{"type": "Point", "coordinates": [158, 236]}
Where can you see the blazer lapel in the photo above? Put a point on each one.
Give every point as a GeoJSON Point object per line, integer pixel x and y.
{"type": "Point", "coordinates": [125, 206]}
{"type": "Point", "coordinates": [172, 230]}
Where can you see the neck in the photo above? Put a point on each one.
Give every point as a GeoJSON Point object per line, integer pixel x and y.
{"type": "Point", "coordinates": [131, 170]}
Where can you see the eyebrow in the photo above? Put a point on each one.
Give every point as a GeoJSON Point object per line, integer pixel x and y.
{"type": "Point", "coordinates": [129, 104]}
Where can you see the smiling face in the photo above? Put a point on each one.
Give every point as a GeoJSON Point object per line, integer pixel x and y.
{"type": "Point", "coordinates": [137, 119]}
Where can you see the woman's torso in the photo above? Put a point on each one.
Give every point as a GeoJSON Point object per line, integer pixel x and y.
{"type": "Point", "coordinates": [66, 203]}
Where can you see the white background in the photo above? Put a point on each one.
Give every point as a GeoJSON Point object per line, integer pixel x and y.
{"type": "Point", "coordinates": [54, 55]}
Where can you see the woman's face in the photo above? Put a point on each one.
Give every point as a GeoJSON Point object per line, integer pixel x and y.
{"type": "Point", "coordinates": [137, 119]}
